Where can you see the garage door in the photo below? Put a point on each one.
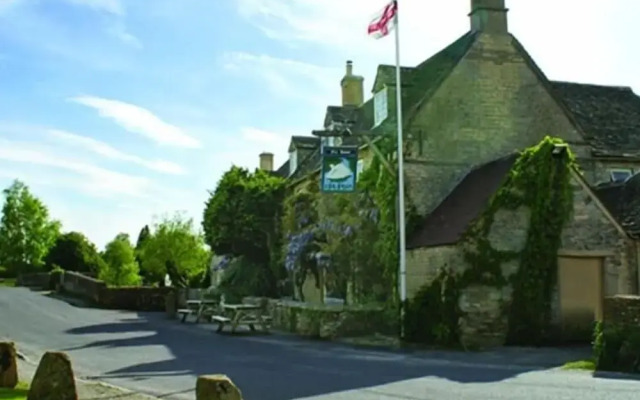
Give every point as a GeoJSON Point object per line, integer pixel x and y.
{"type": "Point", "coordinates": [580, 280]}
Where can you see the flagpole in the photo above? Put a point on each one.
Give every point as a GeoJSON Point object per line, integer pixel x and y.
{"type": "Point", "coordinates": [401, 212]}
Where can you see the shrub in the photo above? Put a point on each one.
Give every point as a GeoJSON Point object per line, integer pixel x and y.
{"type": "Point", "coordinates": [616, 348]}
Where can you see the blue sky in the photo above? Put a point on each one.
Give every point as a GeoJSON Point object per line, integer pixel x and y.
{"type": "Point", "coordinates": [115, 111]}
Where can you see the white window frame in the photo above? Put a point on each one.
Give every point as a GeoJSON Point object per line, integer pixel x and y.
{"type": "Point", "coordinates": [627, 171]}
{"type": "Point", "coordinates": [293, 161]}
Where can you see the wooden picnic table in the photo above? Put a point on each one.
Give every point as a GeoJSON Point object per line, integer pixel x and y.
{"type": "Point", "coordinates": [198, 307]}
{"type": "Point", "coordinates": [242, 314]}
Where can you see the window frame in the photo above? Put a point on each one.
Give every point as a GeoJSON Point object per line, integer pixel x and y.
{"type": "Point", "coordinates": [613, 171]}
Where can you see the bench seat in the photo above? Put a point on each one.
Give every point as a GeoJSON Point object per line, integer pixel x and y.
{"type": "Point", "coordinates": [185, 312]}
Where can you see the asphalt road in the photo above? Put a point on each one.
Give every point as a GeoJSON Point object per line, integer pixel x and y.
{"type": "Point", "coordinates": [147, 353]}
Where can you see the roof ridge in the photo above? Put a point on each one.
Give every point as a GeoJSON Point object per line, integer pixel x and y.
{"type": "Point", "coordinates": [625, 88]}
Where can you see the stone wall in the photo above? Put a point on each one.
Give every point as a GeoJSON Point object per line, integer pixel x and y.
{"type": "Point", "coordinates": [37, 280]}
{"type": "Point", "coordinates": [491, 104]}
{"type": "Point", "coordinates": [622, 310]}
{"type": "Point", "coordinates": [591, 229]}
{"type": "Point", "coordinates": [484, 323]}
{"type": "Point", "coordinates": [327, 321]}
{"type": "Point", "coordinates": [123, 298]}
{"type": "Point", "coordinates": [83, 286]}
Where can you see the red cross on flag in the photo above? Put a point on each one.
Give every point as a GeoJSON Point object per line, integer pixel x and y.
{"type": "Point", "coordinates": [384, 21]}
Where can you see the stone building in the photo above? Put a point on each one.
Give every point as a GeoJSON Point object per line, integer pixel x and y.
{"type": "Point", "coordinates": [466, 110]}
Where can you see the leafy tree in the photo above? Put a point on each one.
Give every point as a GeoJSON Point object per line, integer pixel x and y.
{"type": "Point", "coordinates": [72, 251]}
{"type": "Point", "coordinates": [121, 265]}
{"type": "Point", "coordinates": [175, 248]}
{"type": "Point", "coordinates": [242, 218]}
{"type": "Point", "coordinates": [26, 231]}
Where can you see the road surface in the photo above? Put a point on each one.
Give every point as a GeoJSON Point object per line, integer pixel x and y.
{"type": "Point", "coordinates": [148, 353]}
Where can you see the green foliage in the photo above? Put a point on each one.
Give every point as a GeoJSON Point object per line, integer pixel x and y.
{"type": "Point", "coordinates": [431, 317]}
{"type": "Point", "coordinates": [617, 347]}
{"type": "Point", "coordinates": [174, 248]}
{"type": "Point", "coordinates": [121, 267]}
{"type": "Point", "coordinates": [74, 252]}
{"type": "Point", "coordinates": [26, 231]}
{"type": "Point", "coordinates": [243, 278]}
{"type": "Point", "coordinates": [242, 218]}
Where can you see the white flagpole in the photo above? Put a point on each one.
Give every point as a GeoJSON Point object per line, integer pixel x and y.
{"type": "Point", "coordinates": [401, 213]}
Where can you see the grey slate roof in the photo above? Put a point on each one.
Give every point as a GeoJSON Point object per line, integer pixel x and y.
{"type": "Point", "coordinates": [623, 202]}
{"type": "Point", "coordinates": [450, 220]}
{"type": "Point", "coordinates": [609, 115]}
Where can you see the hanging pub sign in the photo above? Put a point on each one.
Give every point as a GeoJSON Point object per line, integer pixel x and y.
{"type": "Point", "coordinates": [339, 169]}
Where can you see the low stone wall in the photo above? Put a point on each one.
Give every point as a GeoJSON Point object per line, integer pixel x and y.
{"type": "Point", "coordinates": [37, 280]}
{"type": "Point", "coordinates": [121, 298]}
{"type": "Point", "coordinates": [617, 338]}
{"type": "Point", "coordinates": [327, 321]}
{"type": "Point", "coordinates": [81, 285]}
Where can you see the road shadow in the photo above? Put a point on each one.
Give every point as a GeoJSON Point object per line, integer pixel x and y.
{"type": "Point", "coordinates": [279, 367]}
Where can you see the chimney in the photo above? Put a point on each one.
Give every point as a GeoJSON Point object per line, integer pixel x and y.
{"type": "Point", "coordinates": [352, 87]}
{"type": "Point", "coordinates": [489, 16]}
{"type": "Point", "coordinates": [266, 162]}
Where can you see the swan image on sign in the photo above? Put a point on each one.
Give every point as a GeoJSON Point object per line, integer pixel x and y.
{"type": "Point", "coordinates": [339, 172]}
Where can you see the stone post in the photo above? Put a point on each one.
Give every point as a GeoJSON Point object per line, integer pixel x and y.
{"type": "Point", "coordinates": [216, 387]}
{"type": "Point", "coordinates": [8, 365]}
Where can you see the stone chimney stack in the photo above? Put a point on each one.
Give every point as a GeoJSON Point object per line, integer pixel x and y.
{"type": "Point", "coordinates": [352, 87]}
{"type": "Point", "coordinates": [489, 16]}
{"type": "Point", "coordinates": [266, 162]}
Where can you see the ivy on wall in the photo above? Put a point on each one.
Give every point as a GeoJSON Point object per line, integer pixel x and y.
{"type": "Point", "coordinates": [540, 182]}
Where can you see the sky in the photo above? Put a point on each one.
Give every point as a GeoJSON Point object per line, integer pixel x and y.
{"type": "Point", "coordinates": [116, 112]}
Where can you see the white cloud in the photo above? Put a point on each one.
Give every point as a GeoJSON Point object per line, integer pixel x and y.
{"type": "Point", "coordinates": [109, 6]}
{"type": "Point", "coordinates": [119, 32]}
{"type": "Point", "coordinates": [286, 77]}
{"type": "Point", "coordinates": [98, 182]}
{"type": "Point", "coordinates": [106, 150]}
{"type": "Point", "coordinates": [139, 120]}
{"type": "Point", "coordinates": [595, 49]}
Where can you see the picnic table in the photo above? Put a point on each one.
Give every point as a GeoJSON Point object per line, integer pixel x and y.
{"type": "Point", "coordinates": [242, 314]}
{"type": "Point", "coordinates": [200, 308]}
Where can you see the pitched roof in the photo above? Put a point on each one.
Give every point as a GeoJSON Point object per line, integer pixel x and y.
{"type": "Point", "coordinates": [450, 220]}
{"type": "Point", "coordinates": [623, 202]}
{"type": "Point", "coordinates": [609, 116]}
{"type": "Point", "coordinates": [283, 171]}
{"type": "Point", "coordinates": [303, 142]}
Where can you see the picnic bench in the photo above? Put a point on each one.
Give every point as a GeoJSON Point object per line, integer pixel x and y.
{"type": "Point", "coordinates": [199, 308]}
{"type": "Point", "coordinates": [242, 314]}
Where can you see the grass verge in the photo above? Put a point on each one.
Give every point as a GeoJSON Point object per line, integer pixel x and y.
{"type": "Point", "coordinates": [19, 393]}
{"type": "Point", "coordinates": [580, 365]}
{"type": "Point", "coordinates": [8, 282]}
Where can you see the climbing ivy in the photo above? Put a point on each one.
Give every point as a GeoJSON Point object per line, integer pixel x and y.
{"type": "Point", "coordinates": [540, 182]}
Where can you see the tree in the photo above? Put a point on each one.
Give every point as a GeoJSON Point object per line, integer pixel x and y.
{"type": "Point", "coordinates": [26, 231]}
{"type": "Point", "coordinates": [121, 265]}
{"type": "Point", "coordinates": [174, 248]}
{"type": "Point", "coordinates": [72, 251]}
{"type": "Point", "coordinates": [242, 219]}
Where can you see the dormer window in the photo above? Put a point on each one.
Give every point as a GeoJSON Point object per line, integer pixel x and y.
{"type": "Point", "coordinates": [293, 161]}
{"type": "Point", "coordinates": [620, 175]}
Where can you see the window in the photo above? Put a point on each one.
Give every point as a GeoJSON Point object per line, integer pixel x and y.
{"type": "Point", "coordinates": [293, 161]}
{"type": "Point", "coordinates": [620, 175]}
{"type": "Point", "coordinates": [380, 107]}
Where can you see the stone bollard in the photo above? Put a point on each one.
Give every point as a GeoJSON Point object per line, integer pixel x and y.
{"type": "Point", "coordinates": [53, 379]}
{"type": "Point", "coordinates": [8, 365]}
{"type": "Point", "coordinates": [216, 387]}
